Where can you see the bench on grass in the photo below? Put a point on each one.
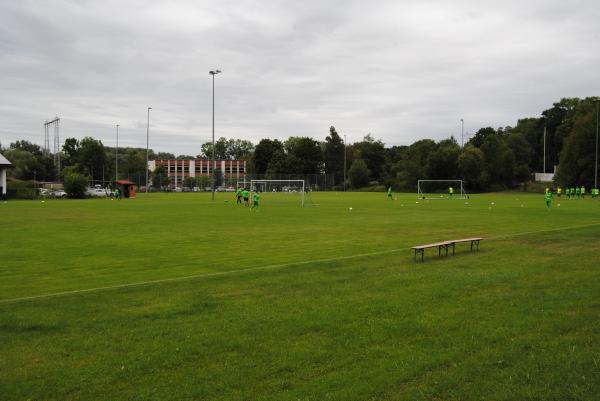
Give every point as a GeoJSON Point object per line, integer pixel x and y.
{"type": "Point", "coordinates": [420, 249]}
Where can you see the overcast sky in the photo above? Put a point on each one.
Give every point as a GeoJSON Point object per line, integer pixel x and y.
{"type": "Point", "coordinates": [401, 70]}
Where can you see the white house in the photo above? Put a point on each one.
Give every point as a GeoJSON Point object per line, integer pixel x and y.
{"type": "Point", "coordinates": [4, 165]}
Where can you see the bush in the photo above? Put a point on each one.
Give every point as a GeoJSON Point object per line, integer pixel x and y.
{"type": "Point", "coordinates": [75, 185]}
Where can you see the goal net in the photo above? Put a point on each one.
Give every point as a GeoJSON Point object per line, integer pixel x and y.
{"type": "Point", "coordinates": [292, 187]}
{"type": "Point", "coordinates": [441, 189]}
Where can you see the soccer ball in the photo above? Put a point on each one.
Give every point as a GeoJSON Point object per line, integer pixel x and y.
{"type": "Point", "coordinates": [349, 209]}
{"type": "Point", "coordinates": [558, 205]}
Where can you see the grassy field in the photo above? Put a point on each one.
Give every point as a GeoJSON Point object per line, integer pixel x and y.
{"type": "Point", "coordinates": [175, 297]}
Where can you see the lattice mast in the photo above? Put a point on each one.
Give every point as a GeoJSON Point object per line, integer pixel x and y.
{"type": "Point", "coordinates": [54, 126]}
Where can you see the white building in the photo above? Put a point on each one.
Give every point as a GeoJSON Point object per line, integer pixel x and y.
{"type": "Point", "coordinates": [4, 165]}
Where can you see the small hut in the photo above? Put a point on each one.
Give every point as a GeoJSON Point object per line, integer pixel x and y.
{"type": "Point", "coordinates": [126, 187]}
{"type": "Point", "coordinates": [4, 165]}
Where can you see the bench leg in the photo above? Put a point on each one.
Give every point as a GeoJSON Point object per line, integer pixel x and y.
{"type": "Point", "coordinates": [477, 245]}
{"type": "Point", "coordinates": [446, 250]}
{"type": "Point", "coordinates": [453, 249]}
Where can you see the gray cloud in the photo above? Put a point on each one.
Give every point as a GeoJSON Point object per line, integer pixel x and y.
{"type": "Point", "coordinates": [401, 70]}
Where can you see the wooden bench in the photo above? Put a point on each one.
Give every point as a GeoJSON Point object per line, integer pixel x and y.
{"type": "Point", "coordinates": [420, 249]}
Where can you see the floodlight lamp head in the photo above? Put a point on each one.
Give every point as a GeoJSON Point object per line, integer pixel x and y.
{"type": "Point", "coordinates": [215, 72]}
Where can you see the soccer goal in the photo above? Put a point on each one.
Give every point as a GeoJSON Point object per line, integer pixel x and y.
{"type": "Point", "coordinates": [293, 187]}
{"type": "Point", "coordinates": [441, 189]}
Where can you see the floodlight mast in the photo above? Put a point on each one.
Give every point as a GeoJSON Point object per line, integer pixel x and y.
{"type": "Point", "coordinates": [596, 160]}
{"type": "Point", "coordinates": [117, 156]}
{"type": "Point", "coordinates": [462, 133]}
{"type": "Point", "coordinates": [147, 142]}
{"type": "Point", "coordinates": [214, 161]}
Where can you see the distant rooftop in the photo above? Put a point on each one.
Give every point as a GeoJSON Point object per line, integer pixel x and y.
{"type": "Point", "coordinates": [4, 161]}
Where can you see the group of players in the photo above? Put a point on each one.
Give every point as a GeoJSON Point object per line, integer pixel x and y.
{"type": "Point", "coordinates": [575, 192]}
{"type": "Point", "coordinates": [243, 193]}
{"type": "Point", "coordinates": [570, 193]}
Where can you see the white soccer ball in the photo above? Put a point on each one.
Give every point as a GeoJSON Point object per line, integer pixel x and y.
{"type": "Point", "coordinates": [558, 205]}
{"type": "Point", "coordinates": [43, 201]}
{"type": "Point", "coordinates": [493, 203]}
{"type": "Point", "coordinates": [417, 202]}
{"type": "Point", "coordinates": [349, 209]}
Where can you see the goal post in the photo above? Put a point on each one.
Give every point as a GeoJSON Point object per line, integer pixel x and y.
{"type": "Point", "coordinates": [440, 189]}
{"type": "Point", "coordinates": [291, 186]}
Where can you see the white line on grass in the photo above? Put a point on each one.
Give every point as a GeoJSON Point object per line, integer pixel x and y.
{"type": "Point", "coordinates": [267, 267]}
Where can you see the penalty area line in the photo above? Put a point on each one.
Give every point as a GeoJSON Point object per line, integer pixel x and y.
{"type": "Point", "coordinates": [258, 268]}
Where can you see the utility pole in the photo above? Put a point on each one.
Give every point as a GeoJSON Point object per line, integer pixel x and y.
{"type": "Point", "coordinates": [117, 156]}
{"type": "Point", "coordinates": [462, 133]}
{"type": "Point", "coordinates": [214, 161]}
{"type": "Point", "coordinates": [147, 142]}
{"type": "Point", "coordinates": [344, 163]}
{"type": "Point", "coordinates": [596, 162]}
{"type": "Point", "coordinates": [544, 149]}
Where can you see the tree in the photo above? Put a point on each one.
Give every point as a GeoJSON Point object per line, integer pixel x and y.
{"type": "Point", "coordinates": [358, 174]}
{"type": "Point", "coordinates": [480, 136]}
{"type": "Point", "coordinates": [70, 150]}
{"type": "Point", "coordinates": [160, 178]}
{"type": "Point", "coordinates": [499, 160]}
{"type": "Point", "coordinates": [189, 182]}
{"type": "Point", "coordinates": [333, 155]}
{"type": "Point", "coordinates": [75, 183]}
{"type": "Point", "coordinates": [164, 156]}
{"type": "Point", "coordinates": [268, 153]}
{"type": "Point", "coordinates": [92, 156]}
{"type": "Point", "coordinates": [471, 165]}
{"type": "Point", "coordinates": [414, 165]}
{"type": "Point", "coordinates": [372, 152]}
{"type": "Point", "coordinates": [522, 151]}
{"type": "Point", "coordinates": [239, 149]}
{"type": "Point", "coordinates": [442, 162]}
{"type": "Point", "coordinates": [27, 146]}
{"type": "Point", "coordinates": [220, 149]}
{"type": "Point", "coordinates": [577, 158]}
{"type": "Point", "coordinates": [303, 155]}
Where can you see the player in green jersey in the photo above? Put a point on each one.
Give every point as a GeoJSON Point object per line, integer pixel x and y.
{"type": "Point", "coordinates": [582, 192]}
{"type": "Point", "coordinates": [389, 193]}
{"type": "Point", "coordinates": [255, 201]}
{"type": "Point", "coordinates": [548, 198]}
{"type": "Point", "coordinates": [238, 194]}
{"type": "Point", "coordinates": [246, 195]}
{"type": "Point", "coordinates": [577, 192]}
{"type": "Point", "coordinates": [558, 191]}
{"type": "Point", "coordinates": [450, 192]}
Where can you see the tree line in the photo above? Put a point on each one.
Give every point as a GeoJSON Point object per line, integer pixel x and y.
{"type": "Point", "coordinates": [492, 159]}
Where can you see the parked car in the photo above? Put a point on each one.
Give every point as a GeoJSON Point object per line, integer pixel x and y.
{"type": "Point", "coordinates": [98, 192]}
{"type": "Point", "coordinates": [59, 193]}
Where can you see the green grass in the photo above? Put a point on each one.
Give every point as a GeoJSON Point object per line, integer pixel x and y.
{"type": "Point", "coordinates": [209, 301]}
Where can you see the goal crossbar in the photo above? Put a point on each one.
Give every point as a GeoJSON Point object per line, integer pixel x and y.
{"type": "Point", "coordinates": [300, 183]}
{"type": "Point", "coordinates": [443, 188]}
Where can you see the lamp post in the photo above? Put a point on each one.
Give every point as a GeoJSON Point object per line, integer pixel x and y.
{"type": "Point", "coordinates": [344, 163]}
{"type": "Point", "coordinates": [462, 133]}
{"type": "Point", "coordinates": [117, 156]}
{"type": "Point", "coordinates": [147, 142]}
{"type": "Point", "coordinates": [214, 161]}
{"type": "Point", "coordinates": [596, 161]}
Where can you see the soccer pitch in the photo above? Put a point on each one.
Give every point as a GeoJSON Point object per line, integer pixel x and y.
{"type": "Point", "coordinates": [176, 297]}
